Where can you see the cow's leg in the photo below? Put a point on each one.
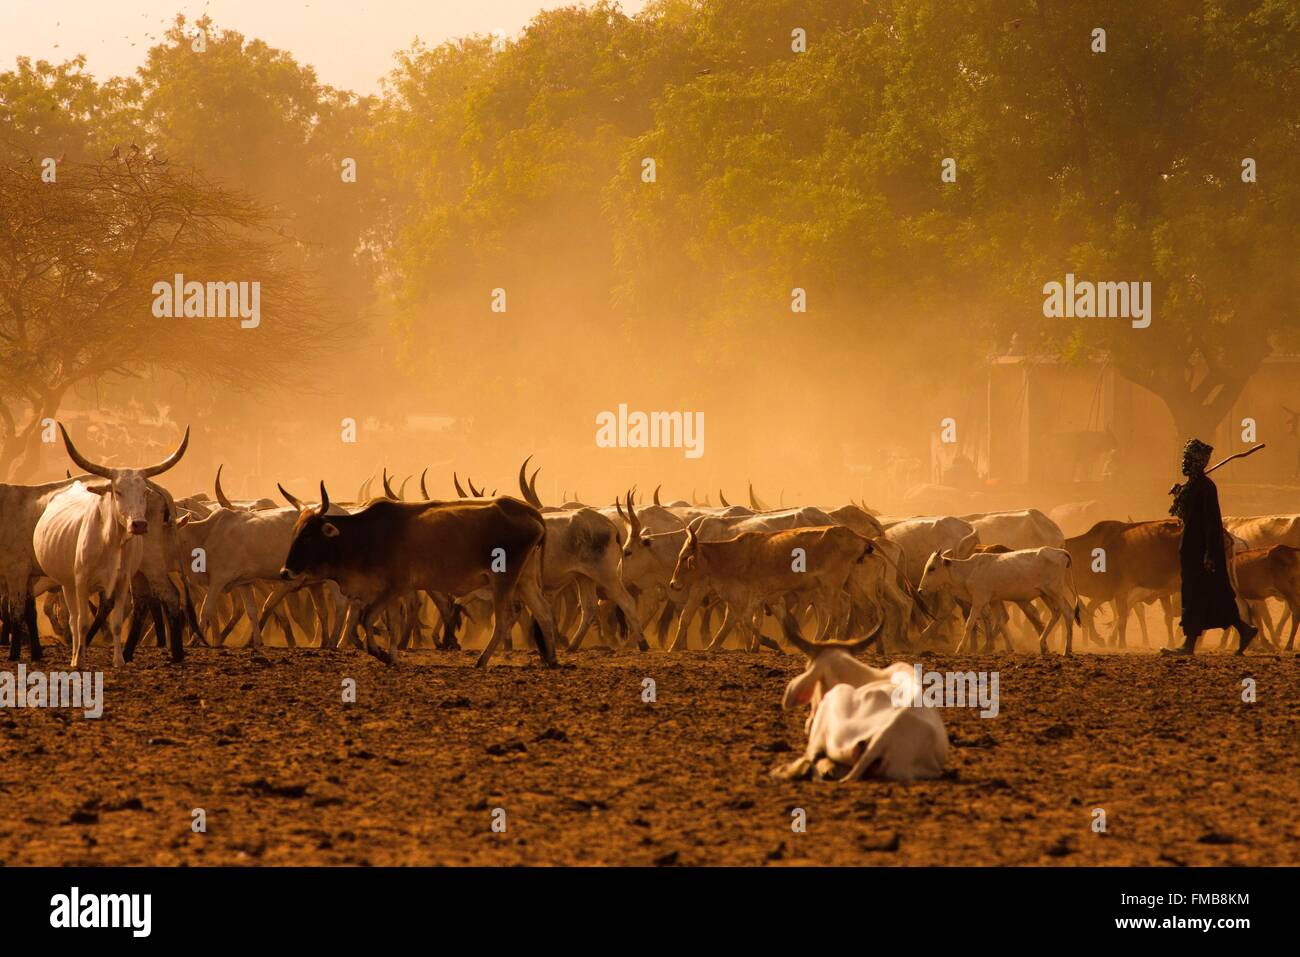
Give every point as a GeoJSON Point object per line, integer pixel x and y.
{"type": "Point", "coordinates": [1166, 605]}
{"type": "Point", "coordinates": [78, 606]}
{"type": "Point", "coordinates": [1031, 615]}
{"type": "Point", "coordinates": [972, 617]}
{"type": "Point", "coordinates": [665, 622]}
{"type": "Point", "coordinates": [208, 612]}
{"type": "Point", "coordinates": [743, 616]}
{"type": "Point", "coordinates": [1122, 609]}
{"type": "Point", "coordinates": [121, 607]}
{"type": "Point", "coordinates": [366, 618]}
{"type": "Point", "coordinates": [588, 614]}
{"type": "Point", "coordinates": [1054, 608]}
{"type": "Point", "coordinates": [348, 625]}
{"type": "Point", "coordinates": [29, 626]}
{"type": "Point", "coordinates": [503, 610]}
{"type": "Point", "coordinates": [543, 626]}
{"type": "Point", "coordinates": [248, 603]}
{"type": "Point", "coordinates": [693, 598]}
{"type": "Point", "coordinates": [137, 626]}
{"type": "Point", "coordinates": [1090, 622]}
{"type": "Point", "coordinates": [1069, 610]}
{"type": "Point", "coordinates": [1140, 609]}
{"type": "Point", "coordinates": [1293, 608]}
{"type": "Point", "coordinates": [728, 622]}
{"type": "Point", "coordinates": [14, 629]}
{"type": "Point", "coordinates": [613, 587]}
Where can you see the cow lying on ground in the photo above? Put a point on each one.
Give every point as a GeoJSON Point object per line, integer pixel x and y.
{"type": "Point", "coordinates": [1018, 577]}
{"type": "Point", "coordinates": [855, 722]}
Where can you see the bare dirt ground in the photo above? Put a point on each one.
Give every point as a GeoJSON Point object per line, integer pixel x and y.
{"type": "Point", "coordinates": [588, 773]}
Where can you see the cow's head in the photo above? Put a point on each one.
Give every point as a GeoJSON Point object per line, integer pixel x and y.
{"type": "Point", "coordinates": [937, 574]}
{"type": "Point", "coordinates": [688, 558]}
{"type": "Point", "coordinates": [830, 663]}
{"type": "Point", "coordinates": [316, 540]}
{"type": "Point", "coordinates": [128, 488]}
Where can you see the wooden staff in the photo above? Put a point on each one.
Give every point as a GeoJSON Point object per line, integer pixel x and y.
{"type": "Point", "coordinates": [1239, 455]}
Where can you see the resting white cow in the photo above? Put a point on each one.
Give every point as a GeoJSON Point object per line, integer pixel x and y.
{"type": "Point", "coordinates": [90, 540]}
{"type": "Point", "coordinates": [1019, 577]}
{"type": "Point", "coordinates": [855, 721]}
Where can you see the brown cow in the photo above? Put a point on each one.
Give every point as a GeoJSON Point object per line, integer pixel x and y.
{"type": "Point", "coordinates": [1137, 561]}
{"type": "Point", "coordinates": [1264, 573]}
{"type": "Point", "coordinates": [390, 549]}
{"type": "Point", "coordinates": [755, 567]}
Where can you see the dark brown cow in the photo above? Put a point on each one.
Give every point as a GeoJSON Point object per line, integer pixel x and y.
{"type": "Point", "coordinates": [390, 549]}
{"type": "Point", "coordinates": [1264, 573]}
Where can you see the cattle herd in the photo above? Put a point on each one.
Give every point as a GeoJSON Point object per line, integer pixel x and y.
{"type": "Point", "coordinates": [112, 550]}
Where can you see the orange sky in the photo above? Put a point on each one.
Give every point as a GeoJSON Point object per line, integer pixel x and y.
{"type": "Point", "coordinates": [349, 42]}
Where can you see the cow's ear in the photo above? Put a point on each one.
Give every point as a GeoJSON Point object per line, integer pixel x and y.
{"type": "Point", "coordinates": [100, 488]}
{"type": "Point", "coordinates": [330, 530]}
{"type": "Point", "coordinates": [947, 560]}
{"type": "Point", "coordinates": [645, 539]}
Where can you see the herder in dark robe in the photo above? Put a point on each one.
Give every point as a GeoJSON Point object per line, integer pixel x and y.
{"type": "Point", "coordinates": [1208, 598]}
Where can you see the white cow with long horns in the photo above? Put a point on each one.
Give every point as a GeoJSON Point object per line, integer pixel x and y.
{"type": "Point", "coordinates": [90, 539]}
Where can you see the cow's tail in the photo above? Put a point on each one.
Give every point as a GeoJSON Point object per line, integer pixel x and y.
{"type": "Point", "coordinates": [1069, 576]}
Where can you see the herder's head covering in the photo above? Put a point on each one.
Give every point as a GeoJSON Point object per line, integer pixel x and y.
{"type": "Point", "coordinates": [1196, 455]}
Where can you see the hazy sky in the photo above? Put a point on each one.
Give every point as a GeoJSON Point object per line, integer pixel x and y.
{"type": "Point", "coordinates": [349, 42]}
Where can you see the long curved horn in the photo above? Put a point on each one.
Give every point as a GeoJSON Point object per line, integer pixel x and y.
{"type": "Point", "coordinates": [534, 499]}
{"type": "Point", "coordinates": [221, 496]}
{"type": "Point", "coordinates": [424, 491]}
{"type": "Point", "coordinates": [365, 488]}
{"type": "Point", "coordinates": [707, 503]}
{"type": "Point", "coordinates": [855, 645]}
{"type": "Point", "coordinates": [618, 505]}
{"type": "Point", "coordinates": [401, 489]}
{"type": "Point", "coordinates": [324, 499]}
{"type": "Point", "coordinates": [657, 488]}
{"type": "Point", "coordinates": [83, 463]}
{"type": "Point", "coordinates": [460, 492]}
{"type": "Point", "coordinates": [289, 498]}
{"type": "Point", "coordinates": [691, 538]}
{"type": "Point", "coordinates": [523, 485]}
{"type": "Point", "coordinates": [723, 499]}
{"type": "Point", "coordinates": [632, 517]}
{"type": "Point", "coordinates": [171, 460]}
{"type": "Point", "coordinates": [790, 628]}
{"type": "Point", "coordinates": [756, 503]}
{"type": "Point", "coordinates": [388, 489]}
{"type": "Point", "coordinates": [476, 492]}
{"type": "Point", "coordinates": [694, 500]}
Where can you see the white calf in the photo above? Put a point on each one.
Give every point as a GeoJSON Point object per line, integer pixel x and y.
{"type": "Point", "coordinates": [1019, 577]}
